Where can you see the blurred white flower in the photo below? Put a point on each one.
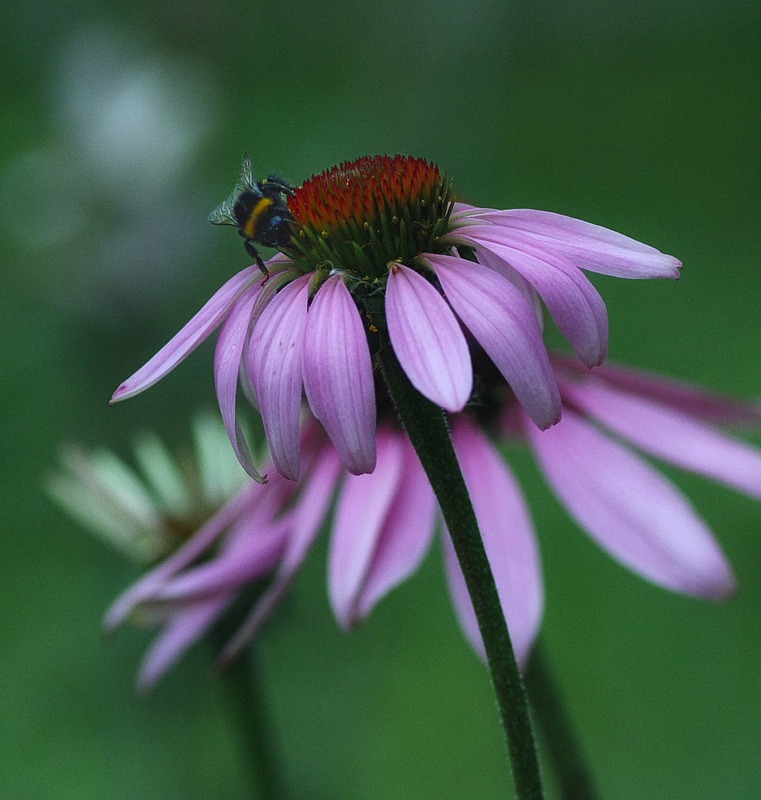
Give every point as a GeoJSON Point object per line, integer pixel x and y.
{"type": "Point", "coordinates": [148, 512]}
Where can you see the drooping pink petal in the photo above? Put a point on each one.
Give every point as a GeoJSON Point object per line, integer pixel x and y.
{"type": "Point", "coordinates": [559, 226]}
{"type": "Point", "coordinates": [246, 384]}
{"type": "Point", "coordinates": [309, 509]}
{"type": "Point", "coordinates": [574, 303]}
{"type": "Point", "coordinates": [193, 549]}
{"type": "Point", "coordinates": [269, 289]}
{"type": "Point", "coordinates": [303, 522]}
{"type": "Point", "coordinates": [405, 537]}
{"type": "Point", "coordinates": [509, 541]}
{"type": "Point", "coordinates": [488, 259]}
{"type": "Point", "coordinates": [588, 246]}
{"type": "Point", "coordinates": [630, 509]}
{"type": "Point", "coordinates": [427, 339]}
{"type": "Point", "coordinates": [227, 362]}
{"type": "Point", "coordinates": [275, 366]}
{"type": "Point", "coordinates": [363, 507]}
{"type": "Point", "coordinates": [200, 327]}
{"type": "Point", "coordinates": [681, 396]}
{"type": "Point", "coordinates": [504, 324]}
{"type": "Point", "coordinates": [338, 375]}
{"type": "Point", "coordinates": [178, 635]}
{"type": "Point", "coordinates": [252, 555]}
{"type": "Point", "coordinates": [670, 435]}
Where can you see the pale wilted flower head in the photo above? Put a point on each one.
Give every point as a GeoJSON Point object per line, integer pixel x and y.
{"type": "Point", "coordinates": [147, 512]}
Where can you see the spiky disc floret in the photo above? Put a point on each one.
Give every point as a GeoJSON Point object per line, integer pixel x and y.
{"type": "Point", "coordinates": [363, 214]}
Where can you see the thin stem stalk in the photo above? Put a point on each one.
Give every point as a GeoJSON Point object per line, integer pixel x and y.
{"type": "Point", "coordinates": [245, 705]}
{"type": "Point", "coordinates": [563, 746]}
{"type": "Point", "coordinates": [427, 429]}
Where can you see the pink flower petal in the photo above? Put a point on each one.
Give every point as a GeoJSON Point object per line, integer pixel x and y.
{"type": "Point", "coordinates": [193, 549]}
{"type": "Point", "coordinates": [564, 228]}
{"type": "Point", "coordinates": [588, 246]}
{"type": "Point", "coordinates": [670, 434]}
{"type": "Point", "coordinates": [269, 289]}
{"type": "Point", "coordinates": [309, 509]}
{"type": "Point", "coordinates": [275, 368]}
{"type": "Point", "coordinates": [200, 327]}
{"type": "Point", "coordinates": [338, 375]}
{"type": "Point", "coordinates": [504, 324]}
{"type": "Point", "coordinates": [631, 510]}
{"type": "Point", "coordinates": [303, 522]}
{"type": "Point", "coordinates": [509, 541]}
{"type": "Point", "coordinates": [227, 363]}
{"type": "Point", "coordinates": [427, 339]}
{"type": "Point", "coordinates": [574, 303]}
{"type": "Point", "coordinates": [178, 635]}
{"type": "Point", "coordinates": [363, 507]}
{"type": "Point", "coordinates": [405, 537]}
{"type": "Point", "coordinates": [252, 555]}
{"type": "Point", "coordinates": [488, 259]}
{"type": "Point", "coordinates": [681, 396]}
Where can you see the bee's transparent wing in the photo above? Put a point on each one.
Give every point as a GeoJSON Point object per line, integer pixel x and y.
{"type": "Point", "coordinates": [247, 181]}
{"type": "Point", "coordinates": [224, 213]}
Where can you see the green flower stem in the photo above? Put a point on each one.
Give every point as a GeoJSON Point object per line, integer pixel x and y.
{"type": "Point", "coordinates": [427, 429]}
{"type": "Point", "coordinates": [562, 744]}
{"type": "Point", "coordinates": [245, 706]}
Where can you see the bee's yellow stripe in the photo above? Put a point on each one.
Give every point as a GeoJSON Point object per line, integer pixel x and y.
{"type": "Point", "coordinates": [256, 212]}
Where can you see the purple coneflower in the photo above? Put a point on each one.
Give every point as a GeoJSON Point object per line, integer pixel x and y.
{"type": "Point", "coordinates": [381, 255]}
{"type": "Point", "coordinates": [384, 522]}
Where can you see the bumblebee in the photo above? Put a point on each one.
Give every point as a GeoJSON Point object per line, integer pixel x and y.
{"type": "Point", "coordinates": [258, 210]}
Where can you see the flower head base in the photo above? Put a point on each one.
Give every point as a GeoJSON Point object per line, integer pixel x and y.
{"type": "Point", "coordinates": [363, 214]}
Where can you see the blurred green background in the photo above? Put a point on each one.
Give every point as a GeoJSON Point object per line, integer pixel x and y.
{"type": "Point", "coordinates": [123, 124]}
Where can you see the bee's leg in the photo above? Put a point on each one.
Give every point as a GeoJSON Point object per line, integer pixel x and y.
{"type": "Point", "coordinates": [254, 253]}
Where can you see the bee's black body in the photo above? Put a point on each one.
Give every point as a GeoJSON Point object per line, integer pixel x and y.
{"type": "Point", "coordinates": [259, 212]}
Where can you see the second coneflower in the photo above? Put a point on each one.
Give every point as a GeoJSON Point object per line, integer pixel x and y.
{"type": "Point", "coordinates": [380, 254]}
